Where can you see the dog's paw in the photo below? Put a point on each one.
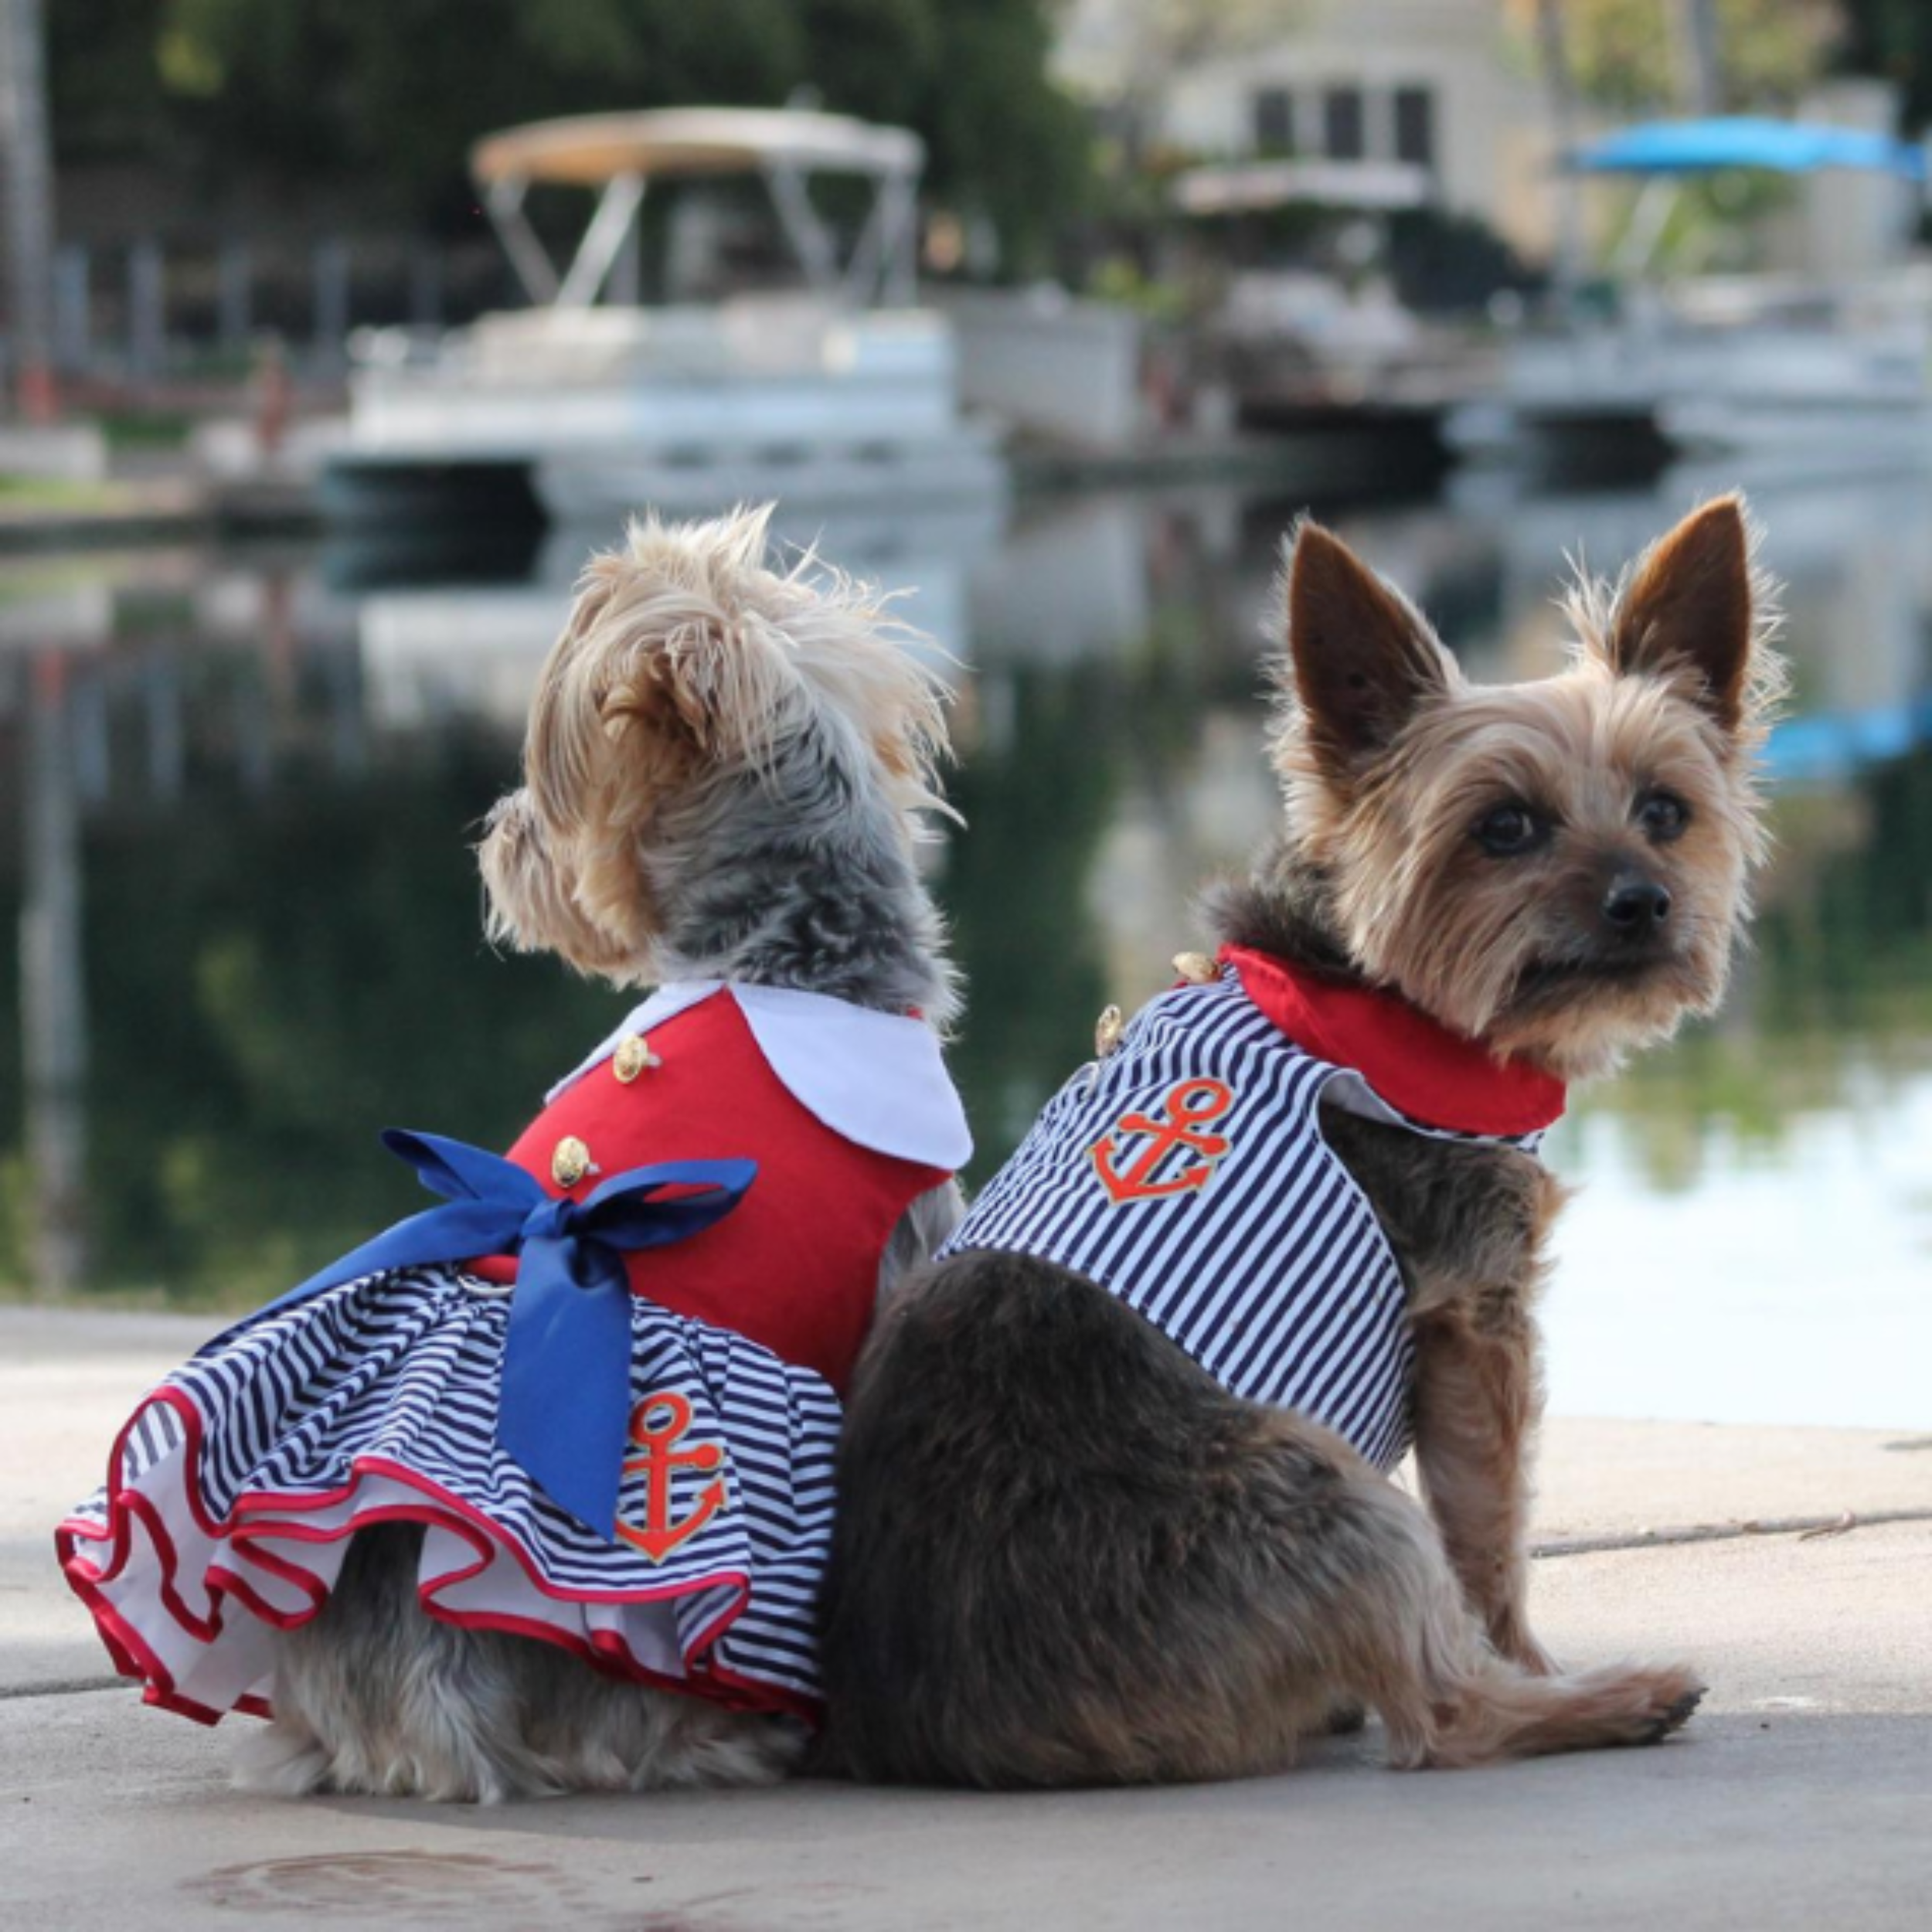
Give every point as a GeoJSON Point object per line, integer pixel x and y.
{"type": "Point", "coordinates": [280, 1760]}
{"type": "Point", "coordinates": [1657, 1700]}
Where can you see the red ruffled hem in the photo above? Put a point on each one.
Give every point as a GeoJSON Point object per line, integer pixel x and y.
{"type": "Point", "coordinates": [259, 1515]}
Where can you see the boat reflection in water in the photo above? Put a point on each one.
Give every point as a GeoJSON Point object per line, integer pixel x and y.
{"type": "Point", "coordinates": [237, 787]}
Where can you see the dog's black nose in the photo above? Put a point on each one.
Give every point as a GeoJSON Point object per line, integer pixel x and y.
{"type": "Point", "coordinates": [1635, 905]}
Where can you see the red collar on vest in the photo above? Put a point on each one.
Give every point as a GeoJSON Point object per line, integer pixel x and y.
{"type": "Point", "coordinates": [1415, 1064]}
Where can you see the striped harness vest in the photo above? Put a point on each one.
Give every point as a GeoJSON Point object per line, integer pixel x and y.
{"type": "Point", "coordinates": [1186, 1173]}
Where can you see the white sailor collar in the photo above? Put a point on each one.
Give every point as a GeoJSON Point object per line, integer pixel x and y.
{"type": "Point", "coordinates": [877, 1079]}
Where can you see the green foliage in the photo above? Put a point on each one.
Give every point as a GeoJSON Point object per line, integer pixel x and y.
{"type": "Point", "coordinates": [1120, 279]}
{"type": "Point", "coordinates": [1892, 39]}
{"type": "Point", "coordinates": [35, 492]}
{"type": "Point", "coordinates": [1441, 261]}
{"type": "Point", "coordinates": [1623, 56]}
{"type": "Point", "coordinates": [1716, 224]}
{"type": "Point", "coordinates": [381, 103]}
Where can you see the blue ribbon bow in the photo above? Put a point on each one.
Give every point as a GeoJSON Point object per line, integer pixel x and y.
{"type": "Point", "coordinates": [563, 1409]}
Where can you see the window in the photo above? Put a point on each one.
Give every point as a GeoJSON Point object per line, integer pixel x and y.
{"type": "Point", "coordinates": [1273, 121]}
{"type": "Point", "coordinates": [1416, 126]}
{"type": "Point", "coordinates": [1341, 123]}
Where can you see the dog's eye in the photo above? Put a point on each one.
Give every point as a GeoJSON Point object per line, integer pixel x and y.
{"type": "Point", "coordinates": [1509, 830]}
{"type": "Point", "coordinates": [1662, 816]}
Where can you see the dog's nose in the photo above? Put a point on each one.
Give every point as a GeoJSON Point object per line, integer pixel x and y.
{"type": "Point", "coordinates": [1635, 905]}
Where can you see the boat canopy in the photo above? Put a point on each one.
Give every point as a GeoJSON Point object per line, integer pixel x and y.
{"type": "Point", "coordinates": [1744, 140]}
{"type": "Point", "coordinates": [619, 154]}
{"type": "Point", "coordinates": [586, 151]}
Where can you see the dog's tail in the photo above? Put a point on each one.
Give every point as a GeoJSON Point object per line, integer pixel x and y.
{"type": "Point", "coordinates": [1446, 1699]}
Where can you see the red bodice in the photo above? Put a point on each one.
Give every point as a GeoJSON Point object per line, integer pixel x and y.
{"type": "Point", "coordinates": [795, 1266]}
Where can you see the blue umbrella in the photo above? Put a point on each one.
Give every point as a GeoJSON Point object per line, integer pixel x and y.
{"type": "Point", "coordinates": [1743, 140]}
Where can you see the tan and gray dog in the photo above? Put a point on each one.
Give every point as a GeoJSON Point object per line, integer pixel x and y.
{"type": "Point", "coordinates": [1071, 1551]}
{"type": "Point", "coordinates": [725, 772]}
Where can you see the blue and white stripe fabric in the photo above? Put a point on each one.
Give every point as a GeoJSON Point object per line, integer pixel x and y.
{"type": "Point", "coordinates": [1186, 1173]}
{"type": "Point", "coordinates": [234, 1488]}
{"type": "Point", "coordinates": [382, 1393]}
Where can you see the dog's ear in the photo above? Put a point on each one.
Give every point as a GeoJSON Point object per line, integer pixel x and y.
{"type": "Point", "coordinates": [1686, 612]}
{"type": "Point", "coordinates": [670, 665]}
{"type": "Point", "coordinates": [1362, 659]}
{"type": "Point", "coordinates": [669, 660]}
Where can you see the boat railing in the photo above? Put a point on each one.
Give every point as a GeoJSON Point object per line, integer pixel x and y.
{"type": "Point", "coordinates": [743, 338]}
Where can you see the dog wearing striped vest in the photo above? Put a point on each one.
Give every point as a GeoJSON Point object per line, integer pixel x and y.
{"type": "Point", "coordinates": [1115, 1498]}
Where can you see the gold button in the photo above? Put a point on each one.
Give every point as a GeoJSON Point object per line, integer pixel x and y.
{"type": "Point", "coordinates": [633, 1055]}
{"type": "Point", "coordinates": [1196, 969]}
{"type": "Point", "coordinates": [570, 1162]}
{"type": "Point", "coordinates": [1107, 1030]}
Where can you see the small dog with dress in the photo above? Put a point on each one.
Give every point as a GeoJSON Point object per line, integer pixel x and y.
{"type": "Point", "coordinates": [533, 1492]}
{"type": "Point", "coordinates": [1114, 1503]}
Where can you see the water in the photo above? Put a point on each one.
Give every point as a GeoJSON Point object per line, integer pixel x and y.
{"type": "Point", "coordinates": [237, 787]}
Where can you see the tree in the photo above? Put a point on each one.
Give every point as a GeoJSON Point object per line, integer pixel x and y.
{"type": "Point", "coordinates": [382, 103]}
{"type": "Point", "coordinates": [28, 184]}
{"type": "Point", "coordinates": [1124, 53]}
{"type": "Point", "coordinates": [1892, 39]}
{"type": "Point", "coordinates": [1632, 55]}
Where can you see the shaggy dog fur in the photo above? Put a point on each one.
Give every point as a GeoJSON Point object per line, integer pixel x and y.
{"type": "Point", "coordinates": [725, 771]}
{"type": "Point", "coordinates": [1065, 1554]}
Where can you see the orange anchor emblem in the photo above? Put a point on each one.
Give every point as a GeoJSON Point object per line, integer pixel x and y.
{"type": "Point", "coordinates": [1189, 1106]}
{"type": "Point", "coordinates": [661, 1459]}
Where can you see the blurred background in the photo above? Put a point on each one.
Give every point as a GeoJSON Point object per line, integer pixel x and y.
{"type": "Point", "coordinates": [336, 337]}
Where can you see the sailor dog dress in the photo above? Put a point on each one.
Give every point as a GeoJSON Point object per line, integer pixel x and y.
{"type": "Point", "coordinates": [618, 1434]}
{"type": "Point", "coordinates": [1186, 1172]}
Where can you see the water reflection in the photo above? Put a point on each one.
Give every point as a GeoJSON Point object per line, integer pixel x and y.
{"type": "Point", "coordinates": [239, 786]}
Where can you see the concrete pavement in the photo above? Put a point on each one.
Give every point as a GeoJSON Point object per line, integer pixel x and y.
{"type": "Point", "coordinates": [1801, 1795]}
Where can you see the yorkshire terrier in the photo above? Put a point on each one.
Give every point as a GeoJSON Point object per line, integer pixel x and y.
{"type": "Point", "coordinates": [1114, 1498]}
{"type": "Point", "coordinates": [533, 1493]}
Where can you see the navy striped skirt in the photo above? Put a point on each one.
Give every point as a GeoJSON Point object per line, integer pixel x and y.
{"type": "Point", "coordinates": [232, 1493]}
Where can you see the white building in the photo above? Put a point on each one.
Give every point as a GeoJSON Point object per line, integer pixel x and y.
{"type": "Point", "coordinates": [1438, 84]}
